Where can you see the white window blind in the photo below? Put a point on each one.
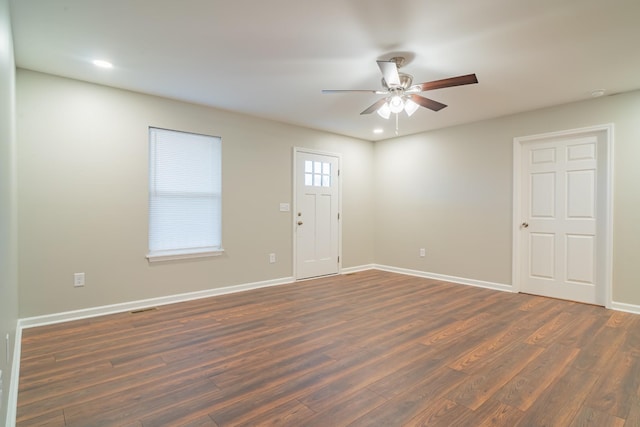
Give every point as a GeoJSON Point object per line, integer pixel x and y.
{"type": "Point", "coordinates": [185, 212]}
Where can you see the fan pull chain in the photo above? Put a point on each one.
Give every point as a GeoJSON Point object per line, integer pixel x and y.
{"type": "Point", "coordinates": [397, 131]}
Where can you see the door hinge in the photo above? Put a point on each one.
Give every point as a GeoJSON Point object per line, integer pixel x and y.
{"type": "Point", "coordinates": [338, 172]}
{"type": "Point", "coordinates": [338, 215]}
{"type": "Point", "coordinates": [338, 260]}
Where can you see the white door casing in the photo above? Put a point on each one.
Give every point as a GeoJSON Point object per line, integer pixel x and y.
{"type": "Point", "coordinates": [563, 215]}
{"type": "Point", "coordinates": [316, 213]}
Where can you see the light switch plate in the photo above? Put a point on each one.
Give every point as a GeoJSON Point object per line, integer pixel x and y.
{"type": "Point", "coordinates": [284, 207]}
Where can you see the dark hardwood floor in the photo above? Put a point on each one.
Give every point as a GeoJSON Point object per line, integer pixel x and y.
{"type": "Point", "coordinates": [367, 349]}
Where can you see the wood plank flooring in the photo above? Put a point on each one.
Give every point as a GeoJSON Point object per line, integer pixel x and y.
{"type": "Point", "coordinates": [366, 349]}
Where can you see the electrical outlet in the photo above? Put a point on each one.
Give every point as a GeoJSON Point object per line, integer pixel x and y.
{"type": "Point", "coordinates": [272, 258]}
{"type": "Point", "coordinates": [78, 280]}
{"type": "Point", "coordinates": [423, 252]}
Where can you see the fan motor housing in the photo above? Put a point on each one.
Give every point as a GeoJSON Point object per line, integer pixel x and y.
{"type": "Point", "coordinates": [405, 81]}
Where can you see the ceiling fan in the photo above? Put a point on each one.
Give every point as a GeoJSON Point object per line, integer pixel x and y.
{"type": "Point", "coordinates": [401, 94]}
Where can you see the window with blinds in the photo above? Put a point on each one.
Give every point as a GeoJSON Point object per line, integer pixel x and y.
{"type": "Point", "coordinates": [185, 206]}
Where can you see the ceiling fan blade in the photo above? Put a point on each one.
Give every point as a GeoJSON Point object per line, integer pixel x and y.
{"type": "Point", "coordinates": [427, 103]}
{"type": "Point", "coordinates": [377, 92]}
{"type": "Point", "coordinates": [373, 107]}
{"type": "Point", "coordinates": [389, 72]}
{"type": "Point", "coordinates": [451, 81]}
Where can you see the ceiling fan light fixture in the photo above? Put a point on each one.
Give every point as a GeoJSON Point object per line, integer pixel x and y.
{"type": "Point", "coordinates": [410, 106]}
{"type": "Point", "coordinates": [384, 111]}
{"type": "Point", "coordinates": [400, 94]}
{"type": "Point", "coordinates": [396, 104]}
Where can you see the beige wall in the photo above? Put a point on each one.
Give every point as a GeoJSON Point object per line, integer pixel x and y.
{"type": "Point", "coordinates": [8, 235]}
{"type": "Point", "coordinates": [82, 196]}
{"type": "Point", "coordinates": [450, 192]}
{"type": "Point", "coordinates": [443, 192]}
{"type": "Point", "coordinates": [82, 165]}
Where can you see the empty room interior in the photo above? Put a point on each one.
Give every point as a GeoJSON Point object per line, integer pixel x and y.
{"type": "Point", "coordinates": [346, 212]}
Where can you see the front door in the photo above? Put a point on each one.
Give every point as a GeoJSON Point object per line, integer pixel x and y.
{"type": "Point", "coordinates": [561, 234]}
{"type": "Point", "coordinates": [316, 214]}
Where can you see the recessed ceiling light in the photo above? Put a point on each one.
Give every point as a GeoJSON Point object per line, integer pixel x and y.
{"type": "Point", "coordinates": [102, 64]}
{"type": "Point", "coordinates": [597, 93]}
{"type": "Point", "coordinates": [378, 130]}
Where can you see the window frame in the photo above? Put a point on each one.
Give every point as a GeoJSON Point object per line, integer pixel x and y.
{"type": "Point", "coordinates": [191, 252]}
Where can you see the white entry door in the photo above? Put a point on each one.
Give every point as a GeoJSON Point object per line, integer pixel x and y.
{"type": "Point", "coordinates": [562, 238]}
{"type": "Point", "coordinates": [316, 214]}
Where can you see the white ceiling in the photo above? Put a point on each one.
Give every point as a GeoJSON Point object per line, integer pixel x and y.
{"type": "Point", "coordinates": [272, 58]}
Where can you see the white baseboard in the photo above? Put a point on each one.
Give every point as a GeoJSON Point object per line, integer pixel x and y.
{"type": "Point", "coordinates": [629, 308]}
{"type": "Point", "coordinates": [67, 316]}
{"type": "Point", "coordinates": [48, 319]}
{"type": "Point", "coordinates": [445, 278]}
{"type": "Point", "coordinates": [12, 402]}
{"type": "Point", "coordinates": [357, 269]}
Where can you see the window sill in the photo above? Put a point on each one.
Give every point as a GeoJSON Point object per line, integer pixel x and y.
{"type": "Point", "coordinates": [177, 255]}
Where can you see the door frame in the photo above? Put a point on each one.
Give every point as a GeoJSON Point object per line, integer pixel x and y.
{"type": "Point", "coordinates": [297, 150]}
{"type": "Point", "coordinates": [605, 225]}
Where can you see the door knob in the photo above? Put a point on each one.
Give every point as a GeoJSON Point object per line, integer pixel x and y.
{"type": "Point", "coordinates": [299, 222]}
{"type": "Point", "coordinates": [524, 225]}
